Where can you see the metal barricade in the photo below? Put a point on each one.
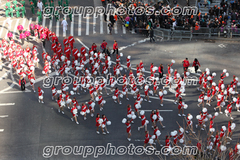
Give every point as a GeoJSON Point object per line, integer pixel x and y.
{"type": "Point", "coordinates": [234, 32]}
{"type": "Point", "coordinates": [202, 31]}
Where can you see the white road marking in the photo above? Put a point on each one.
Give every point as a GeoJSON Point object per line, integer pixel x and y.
{"type": "Point", "coordinates": [1, 130]}
{"type": "Point", "coordinates": [3, 116]}
{"type": "Point", "coordinates": [159, 110]}
{"type": "Point", "coordinates": [50, 24]}
{"type": "Point", "coordinates": [221, 46]}
{"type": "Point", "coordinates": [79, 24]}
{"type": "Point", "coordinates": [82, 44]}
{"type": "Point", "coordinates": [15, 29]}
{"type": "Point", "coordinates": [37, 20]}
{"type": "Point", "coordinates": [23, 23]}
{"type": "Point", "coordinates": [108, 32]}
{"type": "Point", "coordinates": [11, 92]}
{"type": "Point", "coordinates": [44, 22]}
{"type": "Point", "coordinates": [29, 22]}
{"type": "Point", "coordinates": [101, 23]}
{"type": "Point", "coordinates": [7, 104]}
{"type": "Point", "coordinates": [41, 78]}
{"type": "Point", "coordinates": [57, 28]}
{"type": "Point", "coordinates": [87, 24]}
{"type": "Point", "coordinates": [115, 28]}
{"type": "Point", "coordinates": [4, 75]}
{"type": "Point", "coordinates": [65, 32]}
{"type": "Point", "coordinates": [4, 22]}
{"type": "Point", "coordinates": [124, 29]}
{"type": "Point", "coordinates": [72, 26]}
{"type": "Point", "coordinates": [94, 24]}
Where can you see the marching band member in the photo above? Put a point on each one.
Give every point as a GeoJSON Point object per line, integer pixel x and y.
{"type": "Point", "coordinates": [40, 95]}
{"type": "Point", "coordinates": [54, 93]}
{"type": "Point", "coordinates": [105, 120]}
{"type": "Point", "coordinates": [128, 124]}
{"type": "Point", "coordinates": [84, 111]}
{"type": "Point", "coordinates": [146, 90]}
{"type": "Point", "coordinates": [91, 107]}
{"type": "Point", "coordinates": [60, 104]}
{"type": "Point", "coordinates": [144, 121]}
{"type": "Point", "coordinates": [74, 113]}
{"type": "Point", "coordinates": [99, 123]}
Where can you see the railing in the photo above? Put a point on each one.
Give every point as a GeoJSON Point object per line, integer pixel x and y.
{"type": "Point", "coordinates": [208, 33]}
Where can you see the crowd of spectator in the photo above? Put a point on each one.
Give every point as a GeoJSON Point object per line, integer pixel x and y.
{"type": "Point", "coordinates": [224, 15]}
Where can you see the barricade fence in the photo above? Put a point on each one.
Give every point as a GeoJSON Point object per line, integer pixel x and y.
{"type": "Point", "coordinates": [183, 33]}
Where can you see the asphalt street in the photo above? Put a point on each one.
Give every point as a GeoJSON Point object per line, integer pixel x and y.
{"type": "Point", "coordinates": [29, 126]}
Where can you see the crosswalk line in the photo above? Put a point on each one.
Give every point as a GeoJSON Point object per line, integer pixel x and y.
{"type": "Point", "coordinates": [4, 23]}
{"type": "Point", "coordinates": [72, 26]}
{"type": "Point", "coordinates": [124, 29]}
{"type": "Point", "coordinates": [29, 22]}
{"type": "Point", "coordinates": [79, 24]}
{"type": "Point", "coordinates": [57, 28]}
{"type": "Point", "coordinates": [64, 33]}
{"type": "Point", "coordinates": [15, 29]}
{"type": "Point", "coordinates": [108, 32]}
{"type": "Point", "coordinates": [87, 24]}
{"type": "Point", "coordinates": [101, 24]}
{"type": "Point", "coordinates": [24, 22]}
{"type": "Point", "coordinates": [115, 28]}
{"type": "Point", "coordinates": [37, 20]}
{"type": "Point", "coordinates": [94, 24]}
{"type": "Point", "coordinates": [50, 24]}
{"type": "Point", "coordinates": [44, 21]}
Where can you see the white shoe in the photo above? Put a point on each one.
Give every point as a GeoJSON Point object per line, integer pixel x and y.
{"type": "Point", "coordinates": [42, 102]}
{"type": "Point", "coordinates": [202, 129]}
{"type": "Point", "coordinates": [72, 119]}
{"type": "Point", "coordinates": [161, 104]}
{"type": "Point", "coordinates": [175, 102]}
{"type": "Point", "coordinates": [62, 112]}
{"type": "Point", "coordinates": [107, 132]}
{"type": "Point", "coordinates": [198, 105]}
{"type": "Point", "coordinates": [238, 110]}
{"type": "Point", "coordinates": [204, 125]}
{"type": "Point", "coordinates": [103, 133]}
{"type": "Point", "coordinates": [138, 129]}
{"type": "Point", "coordinates": [212, 135]}
{"type": "Point", "coordinates": [145, 99]}
{"type": "Point", "coordinates": [120, 102]}
{"type": "Point", "coordinates": [186, 131]}
{"type": "Point", "coordinates": [226, 115]}
{"type": "Point", "coordinates": [231, 118]}
{"type": "Point", "coordinates": [68, 107]}
{"type": "Point", "coordinates": [78, 93]}
{"type": "Point", "coordinates": [100, 92]}
{"type": "Point", "coordinates": [129, 139]}
{"type": "Point", "coordinates": [59, 110]}
{"type": "Point", "coordinates": [196, 125]}
{"type": "Point", "coordinates": [77, 122]}
{"type": "Point", "coordinates": [107, 93]}
{"type": "Point", "coordinates": [92, 115]}
{"type": "Point", "coordinates": [163, 126]}
{"type": "Point", "coordinates": [97, 132]}
{"type": "Point", "coordinates": [127, 98]}
{"type": "Point", "coordinates": [179, 115]}
{"type": "Point", "coordinates": [193, 132]}
{"type": "Point", "coordinates": [214, 109]}
{"type": "Point", "coordinates": [85, 118]}
{"type": "Point", "coordinates": [183, 115]}
{"type": "Point", "coordinates": [221, 112]}
{"type": "Point", "coordinates": [132, 121]}
{"type": "Point", "coordinates": [149, 101]}
{"type": "Point", "coordinates": [163, 87]}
